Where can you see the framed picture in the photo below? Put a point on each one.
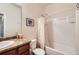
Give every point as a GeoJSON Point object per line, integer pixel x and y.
{"type": "Point", "coordinates": [29, 22]}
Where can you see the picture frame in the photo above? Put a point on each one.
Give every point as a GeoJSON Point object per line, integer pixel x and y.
{"type": "Point", "coordinates": [29, 22]}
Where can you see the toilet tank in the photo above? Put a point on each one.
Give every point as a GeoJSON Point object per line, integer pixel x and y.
{"type": "Point", "coordinates": [33, 44]}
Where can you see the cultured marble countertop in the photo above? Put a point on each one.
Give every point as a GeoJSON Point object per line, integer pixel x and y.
{"type": "Point", "coordinates": [17, 42]}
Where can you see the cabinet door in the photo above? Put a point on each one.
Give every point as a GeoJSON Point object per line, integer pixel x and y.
{"type": "Point", "coordinates": [24, 50]}
{"type": "Point", "coordinates": [10, 52]}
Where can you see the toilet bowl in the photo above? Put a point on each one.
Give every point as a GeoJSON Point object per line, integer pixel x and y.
{"type": "Point", "coordinates": [39, 51]}
{"type": "Point", "coordinates": [34, 50]}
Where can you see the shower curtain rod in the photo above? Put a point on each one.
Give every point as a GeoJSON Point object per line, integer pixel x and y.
{"type": "Point", "coordinates": [45, 15]}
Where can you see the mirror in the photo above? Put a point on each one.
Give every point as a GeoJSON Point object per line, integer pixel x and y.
{"type": "Point", "coordinates": [1, 25]}
{"type": "Point", "coordinates": [10, 19]}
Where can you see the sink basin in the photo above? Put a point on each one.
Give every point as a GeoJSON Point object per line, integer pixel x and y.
{"type": "Point", "coordinates": [4, 44]}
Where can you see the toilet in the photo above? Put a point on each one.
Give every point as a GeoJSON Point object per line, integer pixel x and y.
{"type": "Point", "coordinates": [34, 50]}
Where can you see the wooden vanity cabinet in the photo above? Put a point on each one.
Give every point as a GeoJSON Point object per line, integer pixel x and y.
{"type": "Point", "coordinates": [24, 49]}
{"type": "Point", "coordinates": [19, 50]}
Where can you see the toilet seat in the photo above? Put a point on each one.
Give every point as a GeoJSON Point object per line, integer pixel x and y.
{"type": "Point", "coordinates": [39, 51]}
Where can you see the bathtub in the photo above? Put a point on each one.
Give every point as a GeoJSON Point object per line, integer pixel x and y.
{"type": "Point", "coordinates": [51, 51]}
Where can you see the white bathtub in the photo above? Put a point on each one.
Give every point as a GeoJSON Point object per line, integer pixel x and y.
{"type": "Point", "coordinates": [51, 51]}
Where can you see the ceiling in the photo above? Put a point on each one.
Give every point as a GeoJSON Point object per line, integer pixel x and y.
{"type": "Point", "coordinates": [34, 4]}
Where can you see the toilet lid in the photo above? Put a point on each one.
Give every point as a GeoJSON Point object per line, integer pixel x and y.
{"type": "Point", "coordinates": [38, 51]}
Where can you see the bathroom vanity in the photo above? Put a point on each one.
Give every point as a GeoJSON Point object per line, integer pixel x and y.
{"type": "Point", "coordinates": [20, 47]}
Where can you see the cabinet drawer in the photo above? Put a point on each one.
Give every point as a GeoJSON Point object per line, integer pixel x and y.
{"type": "Point", "coordinates": [10, 52]}
{"type": "Point", "coordinates": [23, 48]}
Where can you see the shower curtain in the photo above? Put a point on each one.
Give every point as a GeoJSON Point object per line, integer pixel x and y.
{"type": "Point", "coordinates": [60, 34]}
{"type": "Point", "coordinates": [41, 37]}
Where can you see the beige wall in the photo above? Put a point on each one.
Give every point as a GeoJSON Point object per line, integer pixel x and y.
{"type": "Point", "coordinates": [33, 11]}
{"type": "Point", "coordinates": [49, 34]}
{"type": "Point", "coordinates": [60, 9]}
